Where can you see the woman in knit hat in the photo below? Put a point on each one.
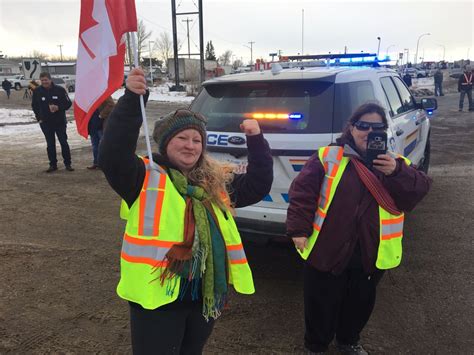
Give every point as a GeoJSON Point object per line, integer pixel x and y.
{"type": "Point", "coordinates": [181, 249]}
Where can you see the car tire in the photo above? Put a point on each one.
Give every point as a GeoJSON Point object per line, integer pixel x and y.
{"type": "Point", "coordinates": [70, 89]}
{"type": "Point", "coordinates": [17, 86]}
{"type": "Point", "coordinates": [425, 163]}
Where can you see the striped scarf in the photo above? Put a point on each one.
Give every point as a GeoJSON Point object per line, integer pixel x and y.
{"type": "Point", "coordinates": [375, 187]}
{"type": "Point", "coordinates": [201, 255]}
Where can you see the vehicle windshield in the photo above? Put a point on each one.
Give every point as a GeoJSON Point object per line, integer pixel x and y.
{"type": "Point", "coordinates": [280, 106]}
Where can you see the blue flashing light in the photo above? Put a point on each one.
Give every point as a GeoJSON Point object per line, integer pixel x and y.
{"type": "Point", "coordinates": [429, 112]}
{"type": "Point", "coordinates": [295, 116]}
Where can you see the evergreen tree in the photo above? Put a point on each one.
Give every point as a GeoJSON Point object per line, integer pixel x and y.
{"type": "Point", "coordinates": [210, 53]}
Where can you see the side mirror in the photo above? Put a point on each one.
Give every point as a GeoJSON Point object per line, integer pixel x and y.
{"type": "Point", "coordinates": [429, 104]}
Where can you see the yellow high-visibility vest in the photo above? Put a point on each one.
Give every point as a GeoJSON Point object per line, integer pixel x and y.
{"type": "Point", "coordinates": [155, 222]}
{"type": "Point", "coordinates": [389, 253]}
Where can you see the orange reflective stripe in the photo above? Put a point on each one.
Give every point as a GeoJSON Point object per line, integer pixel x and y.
{"type": "Point", "coordinates": [393, 221]}
{"type": "Point", "coordinates": [325, 152]}
{"type": "Point", "coordinates": [151, 242]}
{"type": "Point", "coordinates": [334, 170]}
{"type": "Point", "coordinates": [139, 260]}
{"type": "Point", "coordinates": [321, 213]}
{"type": "Point", "coordinates": [234, 247]}
{"type": "Point", "coordinates": [159, 204]}
{"type": "Point", "coordinates": [328, 191]}
{"type": "Point", "coordinates": [340, 154]}
{"type": "Point", "coordinates": [241, 261]}
{"type": "Point", "coordinates": [141, 217]}
{"type": "Point", "coordinates": [392, 236]}
{"type": "Point", "coordinates": [315, 226]}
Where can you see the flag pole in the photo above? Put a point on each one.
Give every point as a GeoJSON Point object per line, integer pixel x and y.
{"type": "Point", "coordinates": [142, 104]}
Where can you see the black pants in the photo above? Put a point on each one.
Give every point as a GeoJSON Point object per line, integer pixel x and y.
{"type": "Point", "coordinates": [50, 130]}
{"type": "Point", "coordinates": [438, 89]}
{"type": "Point", "coordinates": [337, 305]}
{"type": "Point", "coordinates": [469, 99]}
{"type": "Point", "coordinates": [169, 329]}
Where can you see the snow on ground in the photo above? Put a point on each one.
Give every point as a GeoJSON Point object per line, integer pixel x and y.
{"type": "Point", "coordinates": [8, 116]}
{"type": "Point", "coordinates": [157, 93]}
{"type": "Point", "coordinates": [28, 130]}
{"type": "Point", "coordinates": [20, 126]}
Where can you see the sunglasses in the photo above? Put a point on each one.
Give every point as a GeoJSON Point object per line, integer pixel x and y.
{"type": "Point", "coordinates": [365, 126]}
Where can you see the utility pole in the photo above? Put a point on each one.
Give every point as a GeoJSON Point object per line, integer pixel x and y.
{"type": "Point", "coordinates": [302, 31]}
{"type": "Point", "coordinates": [251, 51]}
{"type": "Point", "coordinates": [174, 15]}
{"type": "Point", "coordinates": [151, 63]}
{"type": "Point", "coordinates": [61, 51]}
{"type": "Point", "coordinates": [187, 25]}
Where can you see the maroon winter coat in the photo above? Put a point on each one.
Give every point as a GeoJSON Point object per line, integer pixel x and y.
{"type": "Point", "coordinates": [353, 214]}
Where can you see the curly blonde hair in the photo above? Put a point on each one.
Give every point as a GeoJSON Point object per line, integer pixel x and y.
{"type": "Point", "coordinates": [214, 177]}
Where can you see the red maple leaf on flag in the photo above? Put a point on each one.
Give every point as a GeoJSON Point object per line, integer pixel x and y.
{"type": "Point", "coordinates": [100, 54]}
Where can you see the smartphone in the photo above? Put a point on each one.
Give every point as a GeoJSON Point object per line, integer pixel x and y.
{"type": "Point", "coordinates": [376, 144]}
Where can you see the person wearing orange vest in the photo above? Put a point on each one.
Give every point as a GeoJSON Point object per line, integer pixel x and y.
{"type": "Point", "coordinates": [346, 221]}
{"type": "Point", "coordinates": [465, 88]}
{"type": "Point", "coordinates": [181, 249]}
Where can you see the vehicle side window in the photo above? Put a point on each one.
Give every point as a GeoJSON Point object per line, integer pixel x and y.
{"type": "Point", "coordinates": [407, 100]}
{"type": "Point", "coordinates": [349, 96]}
{"type": "Point", "coordinates": [396, 106]}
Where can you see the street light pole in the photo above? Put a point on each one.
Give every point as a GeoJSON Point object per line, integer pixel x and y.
{"type": "Point", "coordinates": [151, 64]}
{"type": "Point", "coordinates": [444, 50]}
{"type": "Point", "coordinates": [417, 44]}
{"type": "Point", "coordinates": [390, 46]}
{"type": "Point", "coordinates": [378, 48]}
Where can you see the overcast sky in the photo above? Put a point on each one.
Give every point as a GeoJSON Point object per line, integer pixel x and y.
{"type": "Point", "coordinates": [273, 25]}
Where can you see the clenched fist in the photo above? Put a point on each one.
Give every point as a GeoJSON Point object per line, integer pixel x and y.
{"type": "Point", "coordinates": [250, 127]}
{"type": "Point", "coordinates": [136, 81]}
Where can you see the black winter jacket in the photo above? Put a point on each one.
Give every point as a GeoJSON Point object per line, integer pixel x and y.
{"type": "Point", "coordinates": [463, 84]}
{"type": "Point", "coordinates": [125, 171]}
{"type": "Point", "coordinates": [6, 85]}
{"type": "Point", "coordinates": [54, 95]}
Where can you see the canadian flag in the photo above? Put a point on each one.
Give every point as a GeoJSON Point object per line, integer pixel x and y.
{"type": "Point", "coordinates": [100, 54]}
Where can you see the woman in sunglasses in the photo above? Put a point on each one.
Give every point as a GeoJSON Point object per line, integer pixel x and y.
{"type": "Point", "coordinates": [181, 249]}
{"type": "Point", "coordinates": [346, 221]}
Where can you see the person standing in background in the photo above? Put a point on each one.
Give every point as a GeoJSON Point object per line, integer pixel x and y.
{"type": "Point", "coordinates": [50, 103]}
{"type": "Point", "coordinates": [465, 88]}
{"type": "Point", "coordinates": [96, 128]}
{"type": "Point", "coordinates": [438, 82]}
{"type": "Point", "coordinates": [7, 86]}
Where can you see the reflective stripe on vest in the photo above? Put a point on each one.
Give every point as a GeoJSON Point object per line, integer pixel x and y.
{"type": "Point", "coordinates": [155, 222]}
{"type": "Point", "coordinates": [390, 226]}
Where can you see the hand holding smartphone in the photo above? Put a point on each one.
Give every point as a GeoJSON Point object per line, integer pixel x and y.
{"type": "Point", "coordinates": [376, 144]}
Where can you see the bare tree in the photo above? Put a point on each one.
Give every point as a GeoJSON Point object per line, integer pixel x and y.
{"type": "Point", "coordinates": [142, 37]}
{"type": "Point", "coordinates": [225, 58]}
{"type": "Point", "coordinates": [237, 63]}
{"type": "Point", "coordinates": [164, 45]}
{"type": "Point", "coordinates": [38, 54]}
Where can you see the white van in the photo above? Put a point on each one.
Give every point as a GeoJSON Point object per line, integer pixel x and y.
{"type": "Point", "coordinates": [299, 110]}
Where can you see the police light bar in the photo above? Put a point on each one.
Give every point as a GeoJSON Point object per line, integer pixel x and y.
{"type": "Point", "coordinates": [274, 116]}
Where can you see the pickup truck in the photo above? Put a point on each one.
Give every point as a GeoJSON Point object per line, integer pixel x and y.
{"type": "Point", "coordinates": [19, 81]}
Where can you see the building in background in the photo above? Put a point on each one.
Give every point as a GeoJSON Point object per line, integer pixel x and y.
{"type": "Point", "coordinates": [9, 67]}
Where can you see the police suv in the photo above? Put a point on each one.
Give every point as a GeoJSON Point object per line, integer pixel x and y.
{"type": "Point", "coordinates": [301, 108]}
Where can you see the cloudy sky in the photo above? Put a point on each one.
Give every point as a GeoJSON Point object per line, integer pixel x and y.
{"type": "Point", "coordinates": [273, 25]}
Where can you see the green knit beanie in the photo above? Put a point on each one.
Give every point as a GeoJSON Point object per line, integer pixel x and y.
{"type": "Point", "coordinates": [173, 123]}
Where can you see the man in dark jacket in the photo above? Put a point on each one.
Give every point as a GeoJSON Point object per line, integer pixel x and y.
{"type": "Point", "coordinates": [407, 79]}
{"type": "Point", "coordinates": [7, 86]}
{"type": "Point", "coordinates": [49, 104]}
{"type": "Point", "coordinates": [438, 82]}
{"type": "Point", "coordinates": [465, 88]}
